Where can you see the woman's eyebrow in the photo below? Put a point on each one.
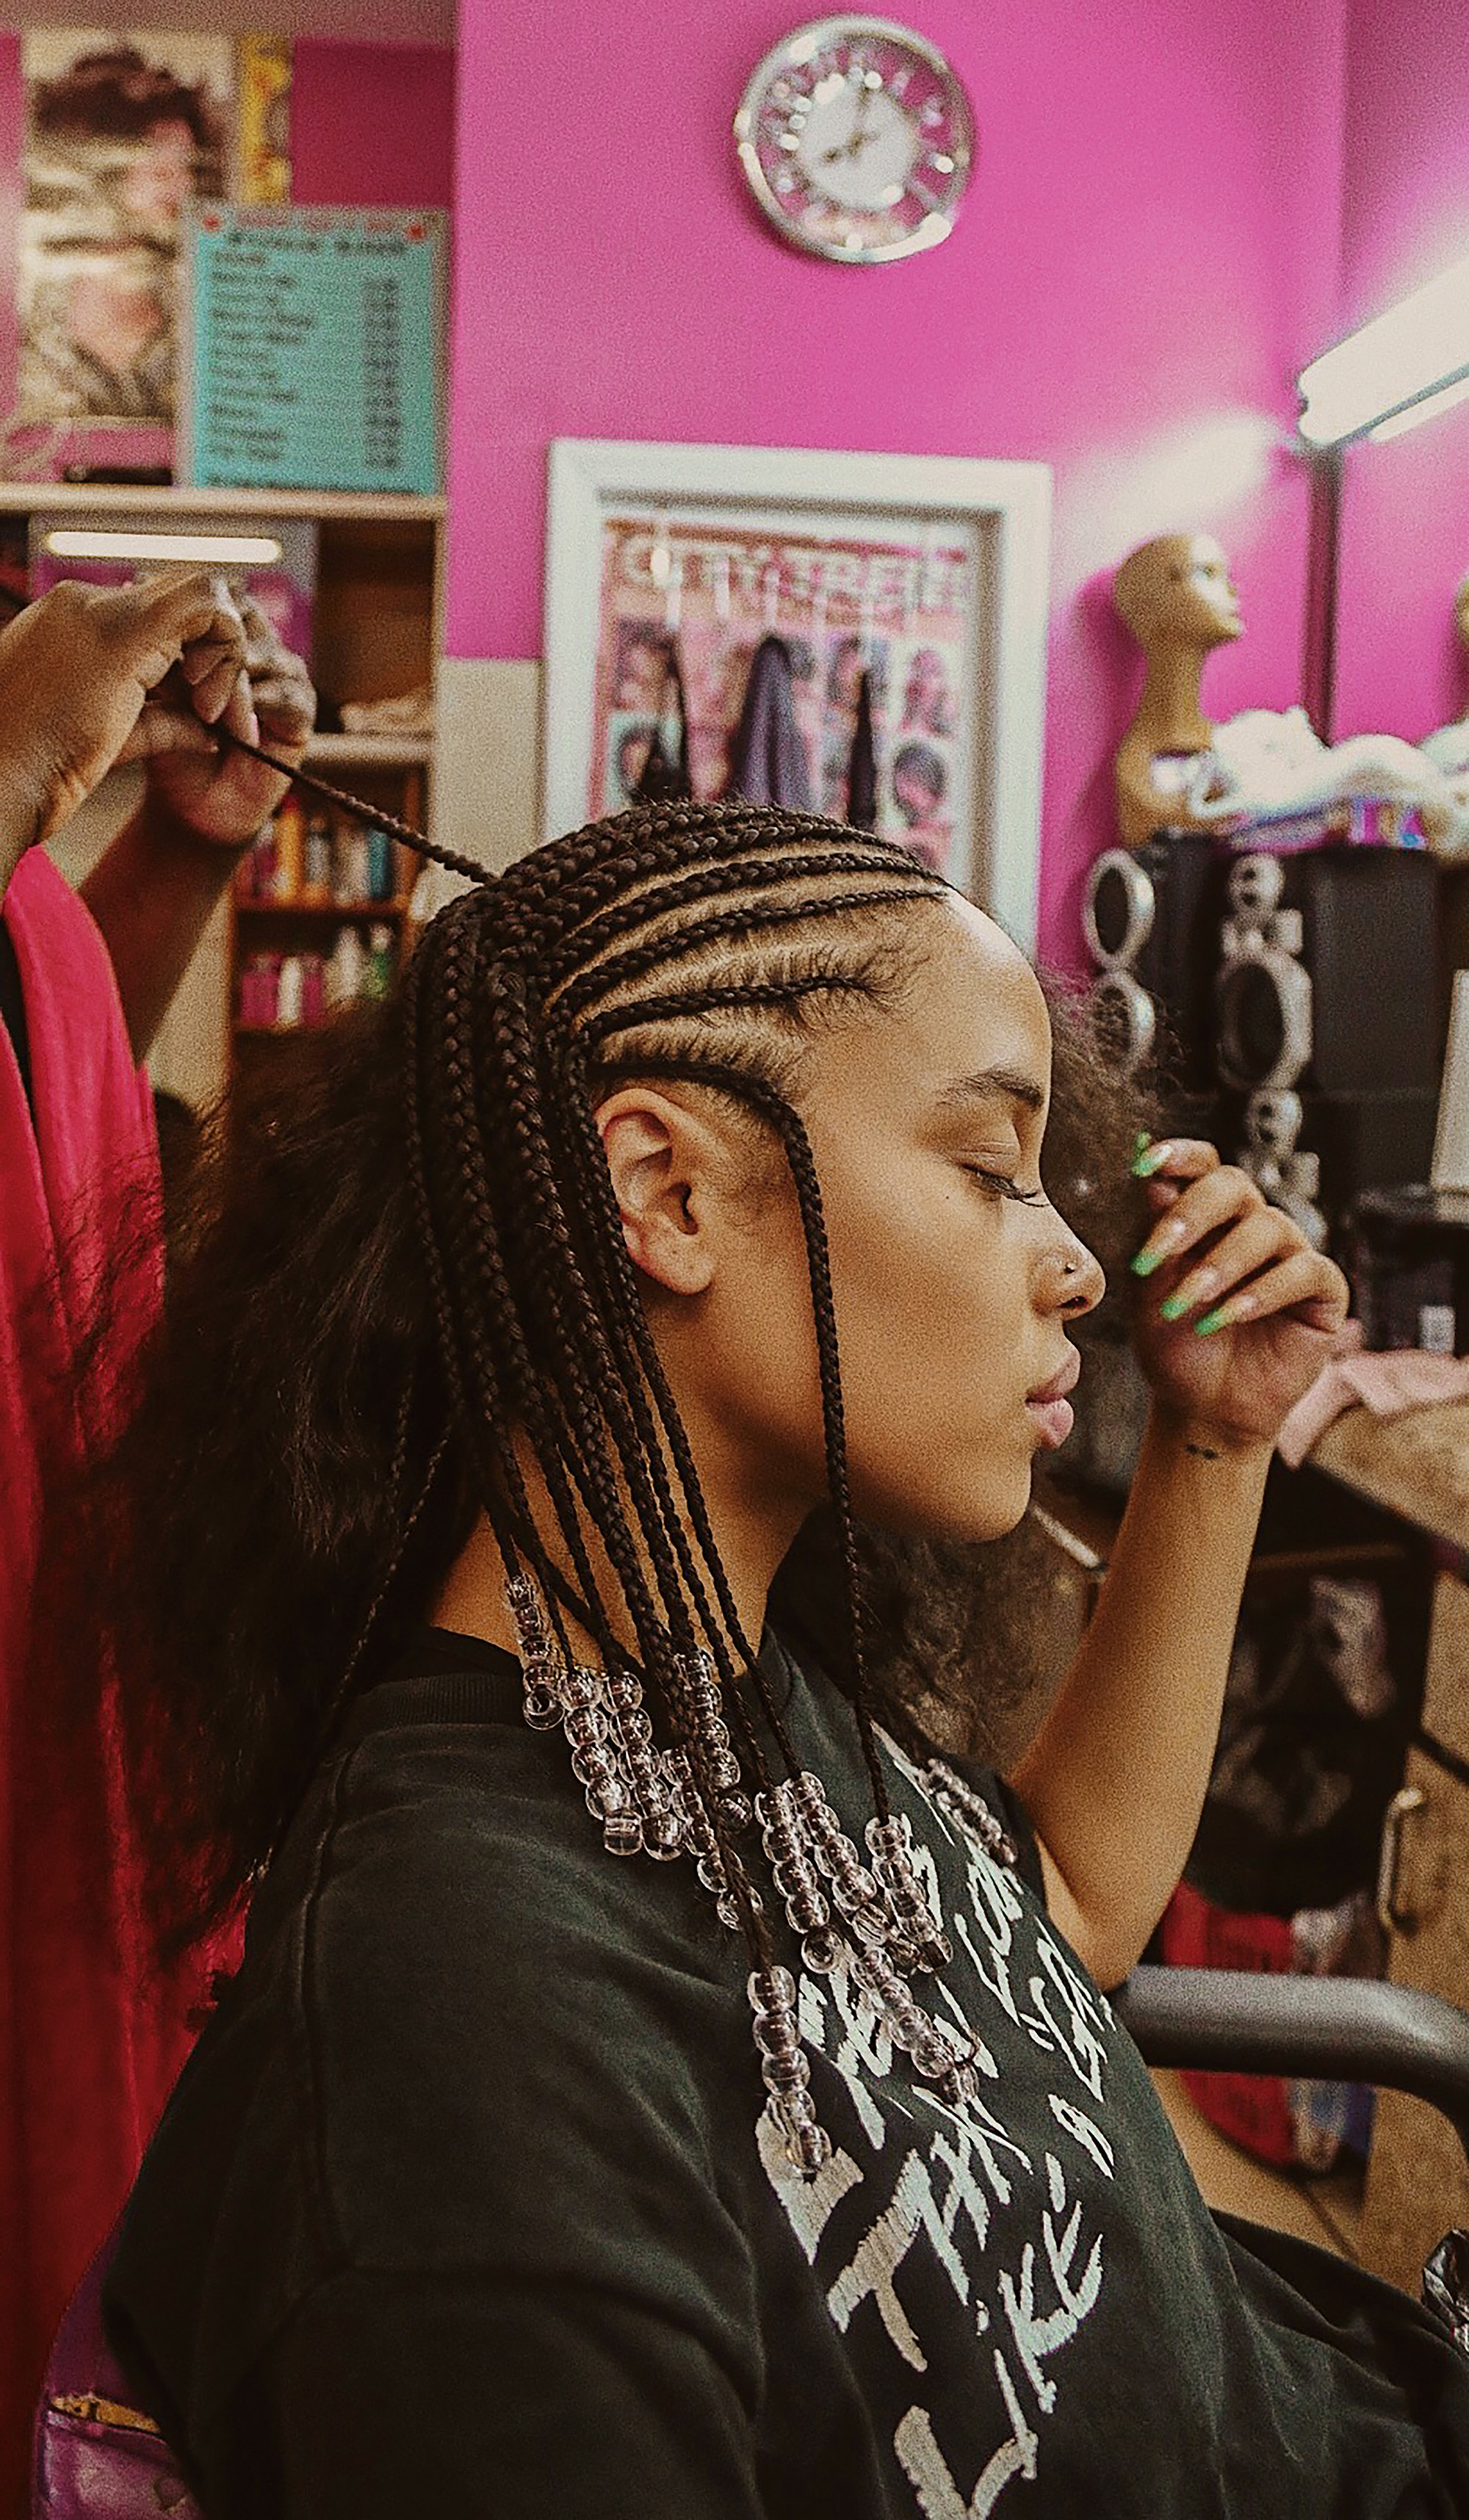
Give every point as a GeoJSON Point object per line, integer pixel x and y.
{"type": "Point", "coordinates": [992, 1084]}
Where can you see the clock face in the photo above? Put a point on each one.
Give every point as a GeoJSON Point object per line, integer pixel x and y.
{"type": "Point", "coordinates": [857, 139]}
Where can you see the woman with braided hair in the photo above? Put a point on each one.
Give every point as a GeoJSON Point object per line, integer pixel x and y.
{"type": "Point", "coordinates": [659, 2081]}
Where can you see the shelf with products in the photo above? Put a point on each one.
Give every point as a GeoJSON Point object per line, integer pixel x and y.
{"type": "Point", "coordinates": [322, 910]}
{"type": "Point", "coordinates": [322, 914]}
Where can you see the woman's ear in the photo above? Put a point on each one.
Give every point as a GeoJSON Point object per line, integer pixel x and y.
{"type": "Point", "coordinates": [661, 1160]}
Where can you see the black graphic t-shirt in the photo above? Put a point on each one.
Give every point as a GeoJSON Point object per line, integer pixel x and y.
{"type": "Point", "coordinates": [466, 2202]}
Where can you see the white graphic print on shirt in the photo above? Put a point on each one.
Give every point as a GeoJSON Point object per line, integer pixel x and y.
{"type": "Point", "coordinates": [946, 2205]}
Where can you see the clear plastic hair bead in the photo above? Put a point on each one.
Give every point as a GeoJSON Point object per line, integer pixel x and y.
{"type": "Point", "coordinates": [876, 1921]}
{"type": "Point", "coordinates": [775, 2034]}
{"type": "Point", "coordinates": [806, 2144]}
{"type": "Point", "coordinates": [789, 2072]}
{"type": "Point", "coordinates": [770, 1989]}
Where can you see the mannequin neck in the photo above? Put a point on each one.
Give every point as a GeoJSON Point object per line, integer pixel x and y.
{"type": "Point", "coordinates": [1170, 717]}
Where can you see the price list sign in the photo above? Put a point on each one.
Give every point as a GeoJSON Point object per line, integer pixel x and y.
{"type": "Point", "coordinates": [313, 349]}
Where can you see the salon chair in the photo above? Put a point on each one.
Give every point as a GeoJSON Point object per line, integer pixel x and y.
{"type": "Point", "coordinates": [1333, 2029]}
{"type": "Point", "coordinates": [90, 2465]}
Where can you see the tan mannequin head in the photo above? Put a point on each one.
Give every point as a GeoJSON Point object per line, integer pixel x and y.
{"type": "Point", "coordinates": [1175, 591]}
{"type": "Point", "coordinates": [1461, 610]}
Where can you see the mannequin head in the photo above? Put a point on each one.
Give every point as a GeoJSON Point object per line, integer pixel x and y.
{"type": "Point", "coordinates": [1461, 610]}
{"type": "Point", "coordinates": [1175, 591]}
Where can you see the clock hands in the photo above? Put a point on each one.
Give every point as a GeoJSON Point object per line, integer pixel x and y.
{"type": "Point", "coordinates": [858, 137]}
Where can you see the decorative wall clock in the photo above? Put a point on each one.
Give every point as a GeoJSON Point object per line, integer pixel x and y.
{"type": "Point", "coordinates": [857, 139]}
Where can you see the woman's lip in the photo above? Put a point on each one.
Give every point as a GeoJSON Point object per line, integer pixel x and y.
{"type": "Point", "coordinates": [1055, 1420]}
{"type": "Point", "coordinates": [1064, 1380]}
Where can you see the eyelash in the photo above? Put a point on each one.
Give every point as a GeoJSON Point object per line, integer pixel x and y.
{"type": "Point", "coordinates": [1007, 1189]}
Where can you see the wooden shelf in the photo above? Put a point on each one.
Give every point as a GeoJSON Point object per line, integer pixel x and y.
{"type": "Point", "coordinates": [385, 910]}
{"type": "Point", "coordinates": [1416, 1464]}
{"type": "Point", "coordinates": [371, 751]}
{"type": "Point", "coordinates": [180, 498]}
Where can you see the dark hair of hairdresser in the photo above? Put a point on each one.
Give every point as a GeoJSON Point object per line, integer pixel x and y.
{"type": "Point", "coordinates": [416, 1254]}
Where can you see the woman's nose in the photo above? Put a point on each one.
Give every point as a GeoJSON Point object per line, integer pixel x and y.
{"type": "Point", "coordinates": [1076, 1281]}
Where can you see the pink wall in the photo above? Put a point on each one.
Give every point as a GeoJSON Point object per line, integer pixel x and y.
{"type": "Point", "coordinates": [370, 122]}
{"type": "Point", "coordinates": [374, 122]}
{"type": "Point", "coordinates": [1147, 253]}
{"type": "Point", "coordinates": [1405, 506]}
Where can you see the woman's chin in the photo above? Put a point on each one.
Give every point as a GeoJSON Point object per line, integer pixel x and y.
{"type": "Point", "coordinates": [983, 1513]}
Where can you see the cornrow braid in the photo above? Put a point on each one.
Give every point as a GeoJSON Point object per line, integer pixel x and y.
{"type": "Point", "coordinates": [654, 945]}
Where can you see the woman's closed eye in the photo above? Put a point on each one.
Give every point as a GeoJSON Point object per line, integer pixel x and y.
{"type": "Point", "coordinates": [1004, 1185]}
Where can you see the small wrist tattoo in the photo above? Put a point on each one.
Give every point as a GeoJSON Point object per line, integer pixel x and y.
{"type": "Point", "coordinates": [1203, 1452]}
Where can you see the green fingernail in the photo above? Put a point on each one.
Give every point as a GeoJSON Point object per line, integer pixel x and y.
{"type": "Point", "coordinates": [1149, 1162]}
{"type": "Point", "coordinates": [1145, 1262]}
{"type": "Point", "coordinates": [1140, 1145]}
{"type": "Point", "coordinates": [1211, 1321]}
{"type": "Point", "coordinates": [1173, 1307]}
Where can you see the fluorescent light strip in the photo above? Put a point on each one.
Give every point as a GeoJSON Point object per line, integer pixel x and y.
{"type": "Point", "coordinates": [1430, 404]}
{"type": "Point", "coordinates": [230, 551]}
{"type": "Point", "coordinates": [1397, 361]}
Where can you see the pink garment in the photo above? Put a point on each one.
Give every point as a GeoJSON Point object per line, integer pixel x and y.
{"type": "Point", "coordinates": [1387, 1381]}
{"type": "Point", "coordinates": [86, 2060]}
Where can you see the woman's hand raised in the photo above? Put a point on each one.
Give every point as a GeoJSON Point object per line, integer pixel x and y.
{"type": "Point", "coordinates": [1235, 1313]}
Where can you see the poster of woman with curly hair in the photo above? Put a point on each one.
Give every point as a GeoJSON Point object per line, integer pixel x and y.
{"type": "Point", "coordinates": [122, 132]}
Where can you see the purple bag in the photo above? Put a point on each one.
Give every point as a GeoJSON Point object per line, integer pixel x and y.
{"type": "Point", "coordinates": [97, 2457]}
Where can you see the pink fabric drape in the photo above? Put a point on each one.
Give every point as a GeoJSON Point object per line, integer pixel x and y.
{"type": "Point", "coordinates": [86, 2056]}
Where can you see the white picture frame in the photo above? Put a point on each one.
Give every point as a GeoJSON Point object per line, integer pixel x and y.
{"type": "Point", "coordinates": [1000, 509]}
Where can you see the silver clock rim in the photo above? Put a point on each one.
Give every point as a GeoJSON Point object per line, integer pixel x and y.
{"type": "Point", "coordinates": [813, 36]}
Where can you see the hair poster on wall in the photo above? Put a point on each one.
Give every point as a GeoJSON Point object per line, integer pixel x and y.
{"type": "Point", "coordinates": [123, 133]}
{"type": "Point", "coordinates": [845, 608]}
{"type": "Point", "coordinates": [897, 612]}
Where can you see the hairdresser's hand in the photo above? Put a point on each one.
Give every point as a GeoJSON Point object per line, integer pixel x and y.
{"type": "Point", "coordinates": [93, 675]}
{"type": "Point", "coordinates": [1235, 1313]}
{"type": "Point", "coordinates": [224, 796]}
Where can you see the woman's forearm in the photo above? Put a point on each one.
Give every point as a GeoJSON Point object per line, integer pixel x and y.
{"type": "Point", "coordinates": [1115, 1779]}
{"type": "Point", "coordinates": [153, 893]}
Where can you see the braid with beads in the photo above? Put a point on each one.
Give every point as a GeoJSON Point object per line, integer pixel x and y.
{"type": "Point", "coordinates": [524, 995]}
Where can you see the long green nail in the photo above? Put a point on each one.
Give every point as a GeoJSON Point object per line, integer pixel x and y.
{"type": "Point", "coordinates": [1145, 1262]}
{"type": "Point", "coordinates": [1151, 1162]}
{"type": "Point", "coordinates": [1140, 1145]}
{"type": "Point", "coordinates": [1211, 1321]}
{"type": "Point", "coordinates": [1173, 1307]}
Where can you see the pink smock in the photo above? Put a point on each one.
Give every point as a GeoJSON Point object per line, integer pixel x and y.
{"type": "Point", "coordinates": [88, 2054]}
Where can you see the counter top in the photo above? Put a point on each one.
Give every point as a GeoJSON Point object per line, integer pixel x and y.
{"type": "Point", "coordinates": [1417, 1464]}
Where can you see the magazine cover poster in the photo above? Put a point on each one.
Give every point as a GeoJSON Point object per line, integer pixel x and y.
{"type": "Point", "coordinates": [901, 613]}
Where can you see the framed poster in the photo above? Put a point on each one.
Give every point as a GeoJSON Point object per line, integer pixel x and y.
{"type": "Point", "coordinates": [124, 132]}
{"type": "Point", "coordinates": [928, 574]}
{"type": "Point", "coordinates": [313, 349]}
